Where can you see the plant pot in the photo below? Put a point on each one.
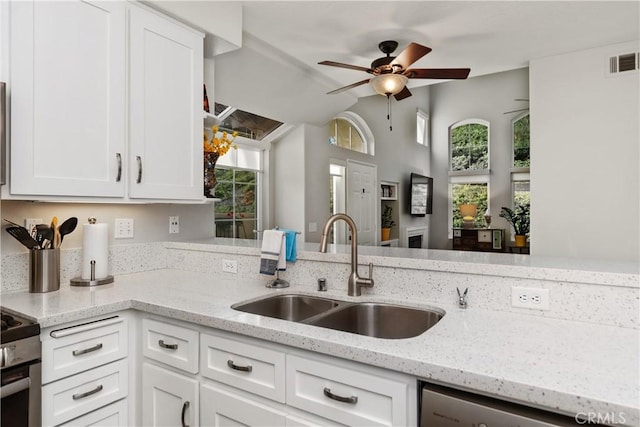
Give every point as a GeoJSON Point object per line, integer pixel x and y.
{"type": "Point", "coordinates": [385, 233]}
{"type": "Point", "coordinates": [521, 241]}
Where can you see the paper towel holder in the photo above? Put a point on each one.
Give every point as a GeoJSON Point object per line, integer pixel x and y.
{"type": "Point", "coordinates": [79, 281]}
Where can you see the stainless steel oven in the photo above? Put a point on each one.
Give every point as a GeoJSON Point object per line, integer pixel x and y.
{"type": "Point", "coordinates": [20, 358]}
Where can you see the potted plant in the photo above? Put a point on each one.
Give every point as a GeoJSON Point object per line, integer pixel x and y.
{"type": "Point", "coordinates": [386, 222]}
{"type": "Point", "coordinates": [519, 220]}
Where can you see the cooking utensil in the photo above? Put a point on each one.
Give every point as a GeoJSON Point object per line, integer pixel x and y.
{"type": "Point", "coordinates": [44, 234]}
{"type": "Point", "coordinates": [67, 227]}
{"type": "Point", "coordinates": [55, 242]}
{"type": "Point", "coordinates": [22, 235]}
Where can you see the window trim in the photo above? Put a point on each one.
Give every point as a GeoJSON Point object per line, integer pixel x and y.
{"type": "Point", "coordinates": [361, 126]}
{"type": "Point", "coordinates": [423, 139]}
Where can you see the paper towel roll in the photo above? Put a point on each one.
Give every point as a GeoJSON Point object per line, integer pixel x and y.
{"type": "Point", "coordinates": [95, 246]}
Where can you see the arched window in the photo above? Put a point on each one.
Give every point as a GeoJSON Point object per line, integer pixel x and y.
{"type": "Point", "coordinates": [469, 145]}
{"type": "Point", "coordinates": [469, 169]}
{"type": "Point", "coordinates": [348, 130]}
{"type": "Point", "coordinates": [521, 146]}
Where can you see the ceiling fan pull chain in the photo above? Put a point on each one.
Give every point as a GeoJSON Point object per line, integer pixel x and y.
{"type": "Point", "coordinates": [389, 112]}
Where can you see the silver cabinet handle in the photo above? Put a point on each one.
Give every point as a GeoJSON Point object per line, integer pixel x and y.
{"type": "Point", "coordinates": [139, 160]}
{"type": "Point", "coordinates": [87, 350]}
{"type": "Point", "coordinates": [162, 344]}
{"type": "Point", "coordinates": [353, 399]}
{"type": "Point", "coordinates": [119, 159]}
{"type": "Point", "coordinates": [185, 406]}
{"type": "Point", "coordinates": [79, 396]}
{"type": "Point", "coordinates": [232, 365]}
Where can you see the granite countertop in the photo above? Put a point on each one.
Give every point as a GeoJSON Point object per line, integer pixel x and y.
{"type": "Point", "coordinates": [563, 365]}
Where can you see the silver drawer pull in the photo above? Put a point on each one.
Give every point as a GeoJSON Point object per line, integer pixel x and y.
{"type": "Point", "coordinates": [232, 365]}
{"type": "Point", "coordinates": [353, 399]}
{"type": "Point", "coordinates": [162, 344]}
{"type": "Point", "coordinates": [79, 396]}
{"type": "Point", "coordinates": [87, 350]}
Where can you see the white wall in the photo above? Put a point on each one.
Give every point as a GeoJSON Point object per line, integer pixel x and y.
{"type": "Point", "coordinates": [288, 188]}
{"type": "Point", "coordinates": [488, 98]}
{"type": "Point", "coordinates": [585, 157]}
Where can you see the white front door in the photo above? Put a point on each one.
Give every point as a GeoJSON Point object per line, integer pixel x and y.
{"type": "Point", "coordinates": [361, 200]}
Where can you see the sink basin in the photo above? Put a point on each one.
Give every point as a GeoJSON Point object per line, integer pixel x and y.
{"type": "Point", "coordinates": [288, 307]}
{"type": "Point", "coordinates": [379, 320]}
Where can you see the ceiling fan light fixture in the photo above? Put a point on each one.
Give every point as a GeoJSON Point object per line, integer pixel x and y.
{"type": "Point", "coordinates": [388, 84]}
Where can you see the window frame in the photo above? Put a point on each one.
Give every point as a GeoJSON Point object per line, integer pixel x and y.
{"type": "Point", "coordinates": [357, 122]}
{"type": "Point", "coordinates": [517, 169]}
{"type": "Point", "coordinates": [470, 171]}
{"type": "Point", "coordinates": [469, 176]}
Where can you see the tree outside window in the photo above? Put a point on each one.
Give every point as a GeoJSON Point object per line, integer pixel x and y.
{"type": "Point", "coordinates": [236, 212]}
{"type": "Point", "coordinates": [470, 147]}
{"type": "Point", "coordinates": [521, 157]}
{"type": "Point", "coordinates": [476, 194]}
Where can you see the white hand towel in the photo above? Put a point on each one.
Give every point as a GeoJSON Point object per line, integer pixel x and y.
{"type": "Point", "coordinates": [273, 254]}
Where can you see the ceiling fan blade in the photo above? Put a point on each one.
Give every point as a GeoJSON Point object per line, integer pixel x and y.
{"type": "Point", "coordinates": [404, 93]}
{"type": "Point", "coordinates": [348, 66]}
{"type": "Point", "coordinates": [411, 54]}
{"type": "Point", "coordinates": [351, 86]}
{"type": "Point", "coordinates": [438, 73]}
{"type": "Point", "coordinates": [516, 111]}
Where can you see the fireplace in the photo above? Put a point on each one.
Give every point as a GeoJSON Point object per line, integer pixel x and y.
{"type": "Point", "coordinates": [416, 237]}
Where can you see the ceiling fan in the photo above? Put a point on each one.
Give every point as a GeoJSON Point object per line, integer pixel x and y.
{"type": "Point", "coordinates": [520, 109]}
{"type": "Point", "coordinates": [391, 73]}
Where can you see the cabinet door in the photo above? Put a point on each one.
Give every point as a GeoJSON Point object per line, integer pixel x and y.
{"type": "Point", "coordinates": [224, 408]}
{"type": "Point", "coordinates": [168, 398]}
{"type": "Point", "coordinates": [165, 125]}
{"type": "Point", "coordinates": [67, 98]}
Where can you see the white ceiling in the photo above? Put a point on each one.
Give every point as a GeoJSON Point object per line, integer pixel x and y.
{"type": "Point", "coordinates": [486, 36]}
{"type": "Point", "coordinates": [283, 41]}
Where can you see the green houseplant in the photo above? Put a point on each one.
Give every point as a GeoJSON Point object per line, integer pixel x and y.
{"type": "Point", "coordinates": [386, 223]}
{"type": "Point", "coordinates": [519, 219]}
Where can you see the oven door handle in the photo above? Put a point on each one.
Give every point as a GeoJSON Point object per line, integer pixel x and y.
{"type": "Point", "coordinates": [15, 387]}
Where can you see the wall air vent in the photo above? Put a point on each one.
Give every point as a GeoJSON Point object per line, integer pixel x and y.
{"type": "Point", "coordinates": [622, 64]}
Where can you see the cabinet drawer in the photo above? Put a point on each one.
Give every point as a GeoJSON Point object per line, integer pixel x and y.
{"type": "Point", "coordinates": [345, 395]}
{"type": "Point", "coordinates": [174, 345]}
{"type": "Point", "coordinates": [77, 395]}
{"type": "Point", "coordinates": [246, 366]}
{"type": "Point", "coordinates": [114, 415]}
{"type": "Point", "coordinates": [225, 408]}
{"type": "Point", "coordinates": [75, 349]}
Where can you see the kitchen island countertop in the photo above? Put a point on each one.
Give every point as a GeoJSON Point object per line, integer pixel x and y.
{"type": "Point", "coordinates": [565, 366]}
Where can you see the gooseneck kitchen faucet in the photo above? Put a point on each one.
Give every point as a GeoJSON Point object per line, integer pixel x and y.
{"type": "Point", "coordinates": [355, 282]}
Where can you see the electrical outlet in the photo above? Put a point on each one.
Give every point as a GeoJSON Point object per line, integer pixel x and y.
{"type": "Point", "coordinates": [123, 228]}
{"type": "Point", "coordinates": [30, 223]}
{"type": "Point", "coordinates": [229, 266]}
{"type": "Point", "coordinates": [534, 298]}
{"type": "Point", "coordinates": [174, 224]}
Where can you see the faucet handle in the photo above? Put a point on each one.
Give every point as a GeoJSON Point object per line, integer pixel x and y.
{"type": "Point", "coordinates": [462, 298]}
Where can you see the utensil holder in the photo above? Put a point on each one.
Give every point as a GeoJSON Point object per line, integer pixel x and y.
{"type": "Point", "coordinates": [44, 270]}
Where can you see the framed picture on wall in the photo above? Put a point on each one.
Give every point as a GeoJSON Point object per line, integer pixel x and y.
{"type": "Point", "coordinates": [421, 196]}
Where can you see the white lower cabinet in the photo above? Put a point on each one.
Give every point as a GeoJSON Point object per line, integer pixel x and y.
{"type": "Point", "coordinates": [243, 381]}
{"type": "Point", "coordinates": [112, 415]}
{"type": "Point", "coordinates": [85, 369]}
{"type": "Point", "coordinates": [168, 398]}
{"type": "Point", "coordinates": [226, 408]}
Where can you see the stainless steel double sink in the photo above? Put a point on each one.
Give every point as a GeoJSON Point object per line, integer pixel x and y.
{"type": "Point", "coordinates": [372, 319]}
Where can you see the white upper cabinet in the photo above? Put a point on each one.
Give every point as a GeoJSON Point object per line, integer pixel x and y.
{"type": "Point", "coordinates": [166, 75]}
{"type": "Point", "coordinates": [106, 103]}
{"type": "Point", "coordinates": [67, 84]}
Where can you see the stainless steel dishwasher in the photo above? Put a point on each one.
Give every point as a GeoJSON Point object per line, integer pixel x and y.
{"type": "Point", "coordinates": [447, 407]}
